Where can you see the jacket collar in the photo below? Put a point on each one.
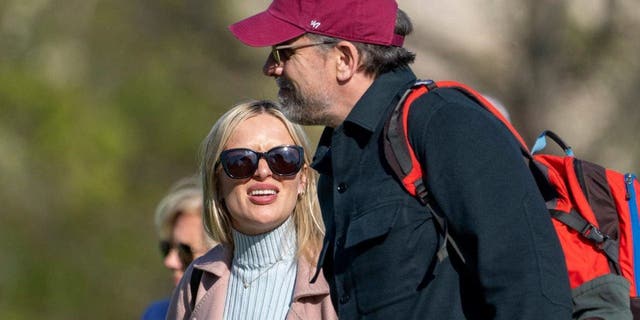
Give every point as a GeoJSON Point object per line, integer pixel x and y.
{"type": "Point", "coordinates": [217, 261]}
{"type": "Point", "coordinates": [303, 287]}
{"type": "Point", "coordinates": [376, 100]}
{"type": "Point", "coordinates": [373, 106]}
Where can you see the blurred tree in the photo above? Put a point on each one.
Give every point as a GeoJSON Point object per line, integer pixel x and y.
{"type": "Point", "coordinates": [570, 66]}
{"type": "Point", "coordinates": [104, 104]}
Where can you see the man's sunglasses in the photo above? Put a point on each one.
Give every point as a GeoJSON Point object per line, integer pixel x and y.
{"type": "Point", "coordinates": [283, 52]}
{"type": "Point", "coordinates": [185, 253]}
{"type": "Point", "coordinates": [242, 163]}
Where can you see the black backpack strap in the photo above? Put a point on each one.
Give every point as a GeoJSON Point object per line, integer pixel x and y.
{"type": "Point", "coordinates": [397, 150]}
{"type": "Point", "coordinates": [448, 240]}
{"type": "Point", "coordinates": [194, 283]}
{"type": "Point", "coordinates": [403, 162]}
{"type": "Point", "coordinates": [590, 232]}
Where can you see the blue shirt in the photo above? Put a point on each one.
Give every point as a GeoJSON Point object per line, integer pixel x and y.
{"type": "Point", "coordinates": [156, 310]}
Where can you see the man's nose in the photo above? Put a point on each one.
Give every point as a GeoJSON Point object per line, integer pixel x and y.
{"type": "Point", "coordinates": [271, 68]}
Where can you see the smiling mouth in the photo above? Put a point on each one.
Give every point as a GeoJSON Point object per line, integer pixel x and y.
{"type": "Point", "coordinates": [262, 193]}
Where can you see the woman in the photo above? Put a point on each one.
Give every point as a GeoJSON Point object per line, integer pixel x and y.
{"type": "Point", "coordinates": [178, 220]}
{"type": "Point", "coordinates": [179, 225]}
{"type": "Point", "coordinates": [260, 204]}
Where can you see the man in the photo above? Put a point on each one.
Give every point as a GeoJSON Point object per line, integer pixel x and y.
{"type": "Point", "coordinates": [340, 63]}
{"type": "Point", "coordinates": [178, 219]}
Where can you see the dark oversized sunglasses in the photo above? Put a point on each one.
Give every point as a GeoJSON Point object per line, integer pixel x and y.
{"type": "Point", "coordinates": [185, 253]}
{"type": "Point", "coordinates": [242, 163]}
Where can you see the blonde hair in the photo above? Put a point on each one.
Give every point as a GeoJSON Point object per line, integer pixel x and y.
{"type": "Point", "coordinates": [217, 221]}
{"type": "Point", "coordinates": [184, 197]}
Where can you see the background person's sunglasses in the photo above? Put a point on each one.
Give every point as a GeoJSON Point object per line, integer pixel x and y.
{"type": "Point", "coordinates": [242, 163]}
{"type": "Point", "coordinates": [185, 253]}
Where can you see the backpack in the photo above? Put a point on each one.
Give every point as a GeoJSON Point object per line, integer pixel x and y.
{"type": "Point", "coordinates": [594, 210]}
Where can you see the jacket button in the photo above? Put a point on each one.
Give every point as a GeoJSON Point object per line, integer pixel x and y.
{"type": "Point", "coordinates": [342, 187]}
{"type": "Point", "coordinates": [344, 299]}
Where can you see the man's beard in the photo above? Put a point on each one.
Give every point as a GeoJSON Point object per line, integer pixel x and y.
{"type": "Point", "coordinates": [304, 109]}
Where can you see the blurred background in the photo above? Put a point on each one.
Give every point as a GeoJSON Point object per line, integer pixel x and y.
{"type": "Point", "coordinates": [103, 105]}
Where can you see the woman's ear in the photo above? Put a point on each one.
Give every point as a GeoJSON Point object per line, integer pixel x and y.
{"type": "Point", "coordinates": [348, 60]}
{"type": "Point", "coordinates": [302, 186]}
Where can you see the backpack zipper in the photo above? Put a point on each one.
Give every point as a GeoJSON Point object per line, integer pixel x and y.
{"type": "Point", "coordinates": [635, 225]}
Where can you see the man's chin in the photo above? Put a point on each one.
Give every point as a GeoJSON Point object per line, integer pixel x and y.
{"type": "Point", "coordinates": [291, 114]}
{"type": "Point", "coordinates": [293, 109]}
{"type": "Point", "coordinates": [285, 101]}
{"type": "Point", "coordinates": [284, 95]}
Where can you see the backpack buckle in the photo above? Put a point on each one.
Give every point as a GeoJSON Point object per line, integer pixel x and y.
{"type": "Point", "coordinates": [591, 232]}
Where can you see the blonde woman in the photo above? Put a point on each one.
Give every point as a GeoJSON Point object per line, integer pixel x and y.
{"type": "Point", "coordinates": [178, 220]}
{"type": "Point", "coordinates": [260, 204]}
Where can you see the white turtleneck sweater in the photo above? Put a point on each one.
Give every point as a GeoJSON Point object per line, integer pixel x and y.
{"type": "Point", "coordinates": [263, 274]}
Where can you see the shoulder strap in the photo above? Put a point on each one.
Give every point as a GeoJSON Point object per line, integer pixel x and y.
{"type": "Point", "coordinates": [575, 221]}
{"type": "Point", "coordinates": [398, 150]}
{"type": "Point", "coordinates": [447, 239]}
{"type": "Point", "coordinates": [194, 283]}
{"type": "Point", "coordinates": [403, 161]}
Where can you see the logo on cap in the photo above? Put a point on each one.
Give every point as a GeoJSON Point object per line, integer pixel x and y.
{"type": "Point", "coordinates": [315, 24]}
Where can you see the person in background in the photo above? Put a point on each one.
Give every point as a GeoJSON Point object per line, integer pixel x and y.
{"type": "Point", "coordinates": [341, 64]}
{"type": "Point", "coordinates": [260, 204]}
{"type": "Point", "coordinates": [178, 220]}
{"type": "Point", "coordinates": [499, 105]}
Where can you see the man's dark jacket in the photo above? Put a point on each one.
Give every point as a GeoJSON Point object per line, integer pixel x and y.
{"type": "Point", "coordinates": [379, 253]}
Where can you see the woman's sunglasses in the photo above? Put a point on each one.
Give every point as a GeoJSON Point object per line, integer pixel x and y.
{"type": "Point", "coordinates": [242, 163]}
{"type": "Point", "coordinates": [185, 253]}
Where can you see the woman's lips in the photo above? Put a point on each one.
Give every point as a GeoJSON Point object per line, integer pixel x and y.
{"type": "Point", "coordinates": [263, 194]}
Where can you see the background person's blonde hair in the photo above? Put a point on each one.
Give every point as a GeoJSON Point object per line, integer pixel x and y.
{"type": "Point", "coordinates": [217, 221]}
{"type": "Point", "coordinates": [184, 197]}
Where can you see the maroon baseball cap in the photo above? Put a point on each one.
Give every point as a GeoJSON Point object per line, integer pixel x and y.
{"type": "Point", "coordinates": [367, 21]}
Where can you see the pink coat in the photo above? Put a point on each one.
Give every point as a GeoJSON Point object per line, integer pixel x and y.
{"type": "Point", "coordinates": [311, 301]}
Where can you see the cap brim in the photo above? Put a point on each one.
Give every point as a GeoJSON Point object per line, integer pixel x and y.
{"type": "Point", "coordinates": [264, 30]}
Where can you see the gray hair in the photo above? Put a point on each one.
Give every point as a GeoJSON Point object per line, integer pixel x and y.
{"type": "Point", "coordinates": [378, 59]}
{"type": "Point", "coordinates": [184, 197]}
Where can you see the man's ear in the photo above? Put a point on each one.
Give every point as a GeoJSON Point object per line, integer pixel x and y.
{"type": "Point", "coordinates": [348, 60]}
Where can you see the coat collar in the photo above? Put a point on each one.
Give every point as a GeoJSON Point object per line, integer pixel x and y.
{"type": "Point", "coordinates": [366, 114]}
{"type": "Point", "coordinates": [217, 261]}
{"type": "Point", "coordinates": [376, 100]}
{"type": "Point", "coordinates": [303, 287]}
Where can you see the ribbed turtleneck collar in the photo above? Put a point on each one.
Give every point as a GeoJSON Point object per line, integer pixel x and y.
{"type": "Point", "coordinates": [267, 248]}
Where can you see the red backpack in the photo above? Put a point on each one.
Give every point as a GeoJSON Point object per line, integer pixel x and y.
{"type": "Point", "coordinates": [594, 210]}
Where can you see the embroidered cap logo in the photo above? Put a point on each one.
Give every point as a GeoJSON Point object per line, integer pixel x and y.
{"type": "Point", "coordinates": [315, 24]}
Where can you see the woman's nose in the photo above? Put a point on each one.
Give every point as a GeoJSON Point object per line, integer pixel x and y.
{"type": "Point", "coordinates": [263, 170]}
{"type": "Point", "coordinates": [172, 260]}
